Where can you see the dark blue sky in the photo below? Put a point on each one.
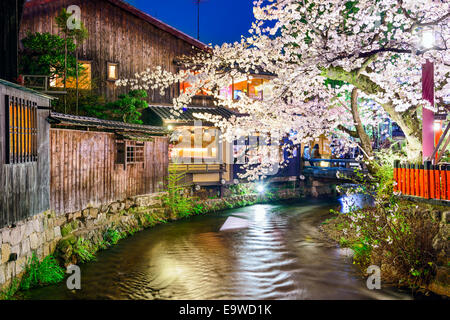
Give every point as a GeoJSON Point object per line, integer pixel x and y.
{"type": "Point", "coordinates": [220, 20]}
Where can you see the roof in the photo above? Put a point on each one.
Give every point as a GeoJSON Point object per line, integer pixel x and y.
{"type": "Point", "coordinates": [68, 119]}
{"type": "Point", "coordinates": [24, 89]}
{"type": "Point", "coordinates": [142, 15]}
{"type": "Point", "coordinates": [164, 112]}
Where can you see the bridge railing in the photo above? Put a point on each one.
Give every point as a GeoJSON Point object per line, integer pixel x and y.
{"type": "Point", "coordinates": [424, 181]}
{"type": "Point", "coordinates": [328, 168]}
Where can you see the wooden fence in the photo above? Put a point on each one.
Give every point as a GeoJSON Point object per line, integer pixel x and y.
{"type": "Point", "coordinates": [425, 181]}
{"type": "Point", "coordinates": [84, 170]}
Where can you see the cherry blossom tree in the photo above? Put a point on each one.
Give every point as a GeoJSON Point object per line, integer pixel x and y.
{"type": "Point", "coordinates": [372, 49]}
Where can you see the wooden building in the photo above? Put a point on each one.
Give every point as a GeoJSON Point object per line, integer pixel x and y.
{"type": "Point", "coordinates": [95, 162]}
{"type": "Point", "coordinates": [24, 153]}
{"type": "Point", "coordinates": [122, 41]}
{"type": "Point", "coordinates": [196, 147]}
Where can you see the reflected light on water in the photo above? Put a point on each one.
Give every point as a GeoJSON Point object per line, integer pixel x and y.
{"type": "Point", "coordinates": [260, 213]}
{"type": "Point", "coordinates": [355, 201]}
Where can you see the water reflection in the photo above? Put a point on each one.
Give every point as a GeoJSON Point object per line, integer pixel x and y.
{"type": "Point", "coordinates": [279, 255]}
{"type": "Point", "coordinates": [355, 201]}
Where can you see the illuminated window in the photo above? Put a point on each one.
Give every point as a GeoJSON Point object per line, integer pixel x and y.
{"type": "Point", "coordinates": [195, 144]}
{"type": "Point", "coordinates": [184, 87]}
{"type": "Point", "coordinates": [84, 78]}
{"type": "Point", "coordinates": [250, 87]}
{"type": "Point", "coordinates": [21, 132]}
{"type": "Point", "coordinates": [113, 71]}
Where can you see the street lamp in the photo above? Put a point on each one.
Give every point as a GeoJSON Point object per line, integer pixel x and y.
{"type": "Point", "coordinates": [428, 39]}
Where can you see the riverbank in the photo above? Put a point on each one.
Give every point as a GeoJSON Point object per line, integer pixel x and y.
{"type": "Point", "coordinates": [75, 238]}
{"type": "Point", "coordinates": [407, 240]}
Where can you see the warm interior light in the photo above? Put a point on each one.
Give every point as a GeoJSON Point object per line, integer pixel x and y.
{"type": "Point", "coordinates": [437, 126]}
{"type": "Point", "coordinates": [112, 72]}
{"type": "Point", "coordinates": [170, 127]}
{"type": "Point", "coordinates": [428, 39]}
{"type": "Point", "coordinates": [323, 164]}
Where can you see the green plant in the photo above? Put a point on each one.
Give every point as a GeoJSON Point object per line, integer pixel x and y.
{"type": "Point", "coordinates": [10, 291]}
{"type": "Point", "coordinates": [41, 273]}
{"type": "Point", "coordinates": [43, 54]}
{"type": "Point", "coordinates": [178, 203]}
{"type": "Point", "coordinates": [112, 236]}
{"type": "Point", "coordinates": [83, 250]}
{"type": "Point", "coordinates": [127, 108]}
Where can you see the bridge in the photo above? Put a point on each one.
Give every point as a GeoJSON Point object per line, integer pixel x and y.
{"type": "Point", "coordinates": [341, 170]}
{"type": "Point", "coordinates": [335, 169]}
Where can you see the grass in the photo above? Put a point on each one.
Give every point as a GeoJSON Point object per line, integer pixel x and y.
{"type": "Point", "coordinates": [84, 250]}
{"type": "Point", "coordinates": [36, 274]}
{"type": "Point", "coordinates": [41, 273]}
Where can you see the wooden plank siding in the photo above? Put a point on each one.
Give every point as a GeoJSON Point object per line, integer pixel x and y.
{"type": "Point", "coordinates": [84, 173]}
{"type": "Point", "coordinates": [115, 35]}
{"type": "Point", "coordinates": [24, 187]}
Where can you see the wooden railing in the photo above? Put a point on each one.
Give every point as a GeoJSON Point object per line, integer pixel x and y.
{"type": "Point", "coordinates": [425, 181]}
{"type": "Point", "coordinates": [198, 167]}
{"type": "Point", "coordinates": [329, 168]}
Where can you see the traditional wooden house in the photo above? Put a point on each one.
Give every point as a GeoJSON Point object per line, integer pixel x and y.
{"type": "Point", "coordinates": [196, 147]}
{"type": "Point", "coordinates": [96, 161]}
{"type": "Point", "coordinates": [122, 42]}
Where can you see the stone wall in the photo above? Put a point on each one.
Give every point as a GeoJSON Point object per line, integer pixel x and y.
{"type": "Point", "coordinates": [44, 232]}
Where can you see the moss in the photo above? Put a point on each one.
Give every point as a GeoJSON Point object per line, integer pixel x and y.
{"type": "Point", "coordinates": [66, 229]}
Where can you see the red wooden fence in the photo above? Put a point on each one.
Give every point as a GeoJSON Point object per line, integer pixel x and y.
{"type": "Point", "coordinates": [425, 181]}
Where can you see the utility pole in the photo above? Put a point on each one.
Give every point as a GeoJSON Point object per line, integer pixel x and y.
{"type": "Point", "coordinates": [197, 2]}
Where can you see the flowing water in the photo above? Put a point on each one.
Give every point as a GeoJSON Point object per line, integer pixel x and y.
{"type": "Point", "coordinates": [278, 253]}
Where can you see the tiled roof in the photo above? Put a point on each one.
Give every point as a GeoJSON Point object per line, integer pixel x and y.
{"type": "Point", "coordinates": [142, 15]}
{"type": "Point", "coordinates": [68, 119]}
{"type": "Point", "coordinates": [187, 114]}
{"type": "Point", "coordinates": [22, 88]}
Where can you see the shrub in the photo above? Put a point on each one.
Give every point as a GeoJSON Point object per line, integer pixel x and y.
{"type": "Point", "coordinates": [41, 273]}
{"type": "Point", "coordinates": [397, 236]}
{"type": "Point", "coordinates": [8, 293]}
{"type": "Point", "coordinates": [83, 250]}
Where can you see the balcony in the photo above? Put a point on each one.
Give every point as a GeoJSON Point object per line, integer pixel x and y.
{"type": "Point", "coordinates": [198, 167]}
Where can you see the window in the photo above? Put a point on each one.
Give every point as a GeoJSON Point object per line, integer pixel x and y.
{"type": "Point", "coordinates": [84, 78]}
{"type": "Point", "coordinates": [113, 71]}
{"type": "Point", "coordinates": [135, 152]}
{"type": "Point", "coordinates": [129, 152]}
{"type": "Point", "coordinates": [21, 130]}
{"type": "Point", "coordinates": [186, 86]}
{"type": "Point", "coordinates": [191, 143]}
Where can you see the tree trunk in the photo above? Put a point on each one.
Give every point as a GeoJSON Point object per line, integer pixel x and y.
{"type": "Point", "coordinates": [364, 139]}
{"type": "Point", "coordinates": [407, 121]}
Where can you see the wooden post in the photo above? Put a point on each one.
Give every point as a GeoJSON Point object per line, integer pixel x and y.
{"type": "Point", "coordinates": [417, 180]}
{"type": "Point", "coordinates": [442, 173]}
{"type": "Point", "coordinates": [426, 179]}
{"type": "Point", "coordinates": [408, 179]}
{"type": "Point", "coordinates": [400, 178]}
{"type": "Point", "coordinates": [437, 182]}
{"type": "Point", "coordinates": [422, 181]}
{"type": "Point", "coordinates": [447, 178]}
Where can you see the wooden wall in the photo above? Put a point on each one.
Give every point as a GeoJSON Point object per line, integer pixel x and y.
{"type": "Point", "coordinates": [83, 170]}
{"type": "Point", "coordinates": [116, 36]}
{"type": "Point", "coordinates": [24, 188]}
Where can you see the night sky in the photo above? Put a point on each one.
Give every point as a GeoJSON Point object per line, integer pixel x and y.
{"type": "Point", "coordinates": [220, 20]}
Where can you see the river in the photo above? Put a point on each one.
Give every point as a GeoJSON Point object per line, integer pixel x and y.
{"type": "Point", "coordinates": [278, 253]}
